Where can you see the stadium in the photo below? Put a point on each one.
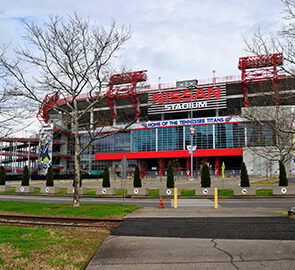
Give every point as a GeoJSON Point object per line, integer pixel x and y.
{"type": "Point", "coordinates": [207, 114]}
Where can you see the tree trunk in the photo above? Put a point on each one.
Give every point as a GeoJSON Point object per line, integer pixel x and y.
{"type": "Point", "coordinates": [76, 198]}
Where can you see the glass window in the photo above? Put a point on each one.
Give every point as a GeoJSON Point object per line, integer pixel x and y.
{"type": "Point", "coordinates": [170, 138]}
{"type": "Point", "coordinates": [260, 134]}
{"type": "Point", "coordinates": [229, 136]}
{"type": "Point", "coordinates": [238, 135]}
{"type": "Point", "coordinates": [144, 140]}
{"type": "Point", "coordinates": [119, 142]}
{"type": "Point", "coordinates": [203, 137]}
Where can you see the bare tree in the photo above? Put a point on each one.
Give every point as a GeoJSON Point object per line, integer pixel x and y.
{"type": "Point", "coordinates": [281, 41]}
{"type": "Point", "coordinates": [71, 56]}
{"type": "Point", "coordinates": [269, 131]}
{"type": "Point", "coordinates": [13, 117]}
{"type": "Point", "coordinates": [270, 125]}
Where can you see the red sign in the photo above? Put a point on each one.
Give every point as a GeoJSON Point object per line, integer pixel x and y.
{"type": "Point", "coordinates": [203, 98]}
{"type": "Point", "coordinates": [186, 95]}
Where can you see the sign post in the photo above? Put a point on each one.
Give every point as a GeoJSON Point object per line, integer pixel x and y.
{"type": "Point", "coordinates": [191, 150]}
{"type": "Point", "coordinates": [223, 167]}
{"type": "Point", "coordinates": [124, 165]}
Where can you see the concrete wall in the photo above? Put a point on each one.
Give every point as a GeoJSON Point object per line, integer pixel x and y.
{"type": "Point", "coordinates": [260, 166]}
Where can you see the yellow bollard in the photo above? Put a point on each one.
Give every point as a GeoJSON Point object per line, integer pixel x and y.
{"type": "Point", "coordinates": [175, 197]}
{"type": "Point", "coordinates": [215, 198]}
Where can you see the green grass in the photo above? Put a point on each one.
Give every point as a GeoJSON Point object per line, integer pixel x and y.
{"type": "Point", "coordinates": [284, 213]}
{"type": "Point", "coordinates": [264, 192]}
{"type": "Point", "coordinates": [25, 239]}
{"type": "Point", "coordinates": [90, 192]}
{"type": "Point", "coordinates": [36, 190]}
{"type": "Point", "coordinates": [187, 192]}
{"type": "Point", "coordinates": [62, 191]}
{"type": "Point", "coordinates": [12, 190]}
{"type": "Point", "coordinates": [266, 182]}
{"type": "Point", "coordinates": [48, 247]}
{"type": "Point", "coordinates": [225, 192]}
{"type": "Point", "coordinates": [153, 193]}
{"type": "Point", "coordinates": [53, 209]}
{"type": "Point", "coordinates": [120, 192]}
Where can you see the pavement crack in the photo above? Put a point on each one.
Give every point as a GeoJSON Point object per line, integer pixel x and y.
{"type": "Point", "coordinates": [224, 251]}
{"type": "Point", "coordinates": [241, 256]}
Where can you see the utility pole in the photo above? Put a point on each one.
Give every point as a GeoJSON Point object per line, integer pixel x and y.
{"type": "Point", "coordinates": [192, 130]}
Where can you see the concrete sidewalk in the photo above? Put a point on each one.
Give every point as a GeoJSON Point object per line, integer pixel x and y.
{"type": "Point", "coordinates": [150, 212]}
{"type": "Point", "coordinates": [135, 252]}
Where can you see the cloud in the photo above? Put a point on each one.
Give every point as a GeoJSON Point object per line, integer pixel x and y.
{"type": "Point", "coordinates": [173, 39]}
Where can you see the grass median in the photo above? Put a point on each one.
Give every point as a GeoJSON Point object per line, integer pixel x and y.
{"type": "Point", "coordinates": [66, 210]}
{"type": "Point", "coordinates": [52, 247]}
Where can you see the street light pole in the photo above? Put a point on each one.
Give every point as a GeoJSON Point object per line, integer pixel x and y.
{"type": "Point", "coordinates": [192, 131]}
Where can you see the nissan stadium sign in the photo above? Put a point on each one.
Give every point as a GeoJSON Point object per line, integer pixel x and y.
{"type": "Point", "coordinates": [201, 98]}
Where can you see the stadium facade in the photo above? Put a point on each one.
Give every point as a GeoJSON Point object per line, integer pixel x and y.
{"type": "Point", "coordinates": [206, 114]}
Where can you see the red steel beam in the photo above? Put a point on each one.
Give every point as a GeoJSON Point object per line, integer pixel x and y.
{"type": "Point", "coordinates": [263, 68]}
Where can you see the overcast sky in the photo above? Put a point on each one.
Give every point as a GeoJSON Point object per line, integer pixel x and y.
{"type": "Point", "coordinates": [172, 39]}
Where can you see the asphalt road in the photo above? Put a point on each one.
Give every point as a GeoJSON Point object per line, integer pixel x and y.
{"type": "Point", "coordinates": [281, 203]}
{"type": "Point", "coordinates": [266, 228]}
{"type": "Point", "coordinates": [172, 239]}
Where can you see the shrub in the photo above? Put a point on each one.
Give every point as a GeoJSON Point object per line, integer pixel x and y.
{"type": "Point", "coordinates": [137, 179]}
{"type": "Point", "coordinates": [26, 177]}
{"type": "Point", "coordinates": [283, 180]}
{"type": "Point", "coordinates": [170, 176]}
{"type": "Point", "coordinates": [49, 177]}
{"type": "Point", "coordinates": [205, 176]}
{"type": "Point", "coordinates": [106, 177]}
{"type": "Point", "coordinates": [2, 176]}
{"type": "Point", "coordinates": [244, 176]}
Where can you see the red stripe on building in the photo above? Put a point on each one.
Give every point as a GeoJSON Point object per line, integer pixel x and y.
{"type": "Point", "coordinates": [171, 154]}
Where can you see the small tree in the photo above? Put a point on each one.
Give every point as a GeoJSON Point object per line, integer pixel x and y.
{"type": "Point", "coordinates": [106, 177]}
{"type": "Point", "coordinates": [49, 177]}
{"type": "Point", "coordinates": [283, 180]}
{"type": "Point", "coordinates": [170, 176]}
{"type": "Point", "coordinates": [205, 176]}
{"type": "Point", "coordinates": [137, 179]}
{"type": "Point", "coordinates": [244, 176]}
{"type": "Point", "coordinates": [2, 176]}
{"type": "Point", "coordinates": [26, 176]}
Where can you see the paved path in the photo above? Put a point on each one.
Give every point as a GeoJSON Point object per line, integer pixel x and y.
{"type": "Point", "coordinates": [279, 203]}
{"type": "Point", "coordinates": [152, 238]}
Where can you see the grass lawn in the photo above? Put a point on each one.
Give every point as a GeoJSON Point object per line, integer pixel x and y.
{"type": "Point", "coordinates": [120, 192]}
{"type": "Point", "coordinates": [51, 247]}
{"type": "Point", "coordinates": [284, 213]}
{"type": "Point", "coordinates": [266, 182]}
{"type": "Point", "coordinates": [264, 192]}
{"type": "Point", "coordinates": [48, 247]}
{"type": "Point", "coordinates": [154, 193]}
{"type": "Point", "coordinates": [90, 192]}
{"type": "Point", "coordinates": [187, 193]}
{"type": "Point", "coordinates": [225, 193]}
{"type": "Point", "coordinates": [66, 210]}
